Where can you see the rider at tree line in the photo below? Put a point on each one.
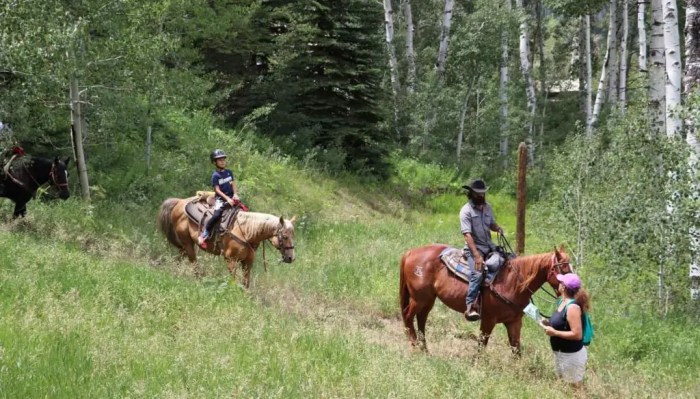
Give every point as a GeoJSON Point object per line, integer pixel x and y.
{"type": "Point", "coordinates": [477, 221]}
{"type": "Point", "coordinates": [224, 183]}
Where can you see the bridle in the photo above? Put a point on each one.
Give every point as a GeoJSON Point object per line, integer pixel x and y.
{"type": "Point", "coordinates": [280, 241]}
{"type": "Point", "coordinates": [54, 181]}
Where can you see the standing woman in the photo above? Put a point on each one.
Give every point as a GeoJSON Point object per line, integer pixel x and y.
{"type": "Point", "coordinates": [566, 330]}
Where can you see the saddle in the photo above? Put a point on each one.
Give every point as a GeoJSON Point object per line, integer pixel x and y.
{"type": "Point", "coordinates": [455, 261]}
{"type": "Point", "coordinates": [200, 210]}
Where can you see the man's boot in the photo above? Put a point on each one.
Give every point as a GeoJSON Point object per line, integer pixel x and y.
{"type": "Point", "coordinates": [472, 313]}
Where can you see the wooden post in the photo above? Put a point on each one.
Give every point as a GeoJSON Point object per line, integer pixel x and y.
{"type": "Point", "coordinates": [521, 199]}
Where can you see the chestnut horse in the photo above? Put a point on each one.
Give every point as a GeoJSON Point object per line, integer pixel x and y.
{"type": "Point", "coordinates": [237, 245]}
{"type": "Point", "coordinates": [423, 277]}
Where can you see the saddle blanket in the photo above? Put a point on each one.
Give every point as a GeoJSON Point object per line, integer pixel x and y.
{"type": "Point", "coordinates": [452, 258]}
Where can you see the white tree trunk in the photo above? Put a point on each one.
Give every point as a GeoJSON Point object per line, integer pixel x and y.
{"type": "Point", "coordinates": [672, 45]}
{"type": "Point", "coordinates": [623, 55]}
{"type": "Point", "coordinates": [444, 39]}
{"type": "Point", "coordinates": [589, 74]}
{"type": "Point", "coordinates": [614, 56]}
{"type": "Point", "coordinates": [657, 70]}
{"type": "Point", "coordinates": [503, 92]}
{"type": "Point", "coordinates": [642, 34]}
{"type": "Point", "coordinates": [602, 82]}
{"type": "Point", "coordinates": [393, 64]}
{"type": "Point", "coordinates": [410, 52]}
{"type": "Point", "coordinates": [526, 69]}
{"type": "Point", "coordinates": [463, 117]}
{"type": "Point", "coordinates": [77, 130]}
{"type": "Point", "coordinates": [691, 83]}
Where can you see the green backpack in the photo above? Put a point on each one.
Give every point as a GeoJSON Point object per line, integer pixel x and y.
{"type": "Point", "coordinates": [586, 325]}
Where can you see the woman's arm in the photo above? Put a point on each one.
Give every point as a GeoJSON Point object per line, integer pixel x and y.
{"type": "Point", "coordinates": [573, 316]}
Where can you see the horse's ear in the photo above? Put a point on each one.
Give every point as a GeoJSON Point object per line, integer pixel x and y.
{"type": "Point", "coordinates": [562, 248]}
{"type": "Point", "coordinates": [56, 160]}
{"type": "Point", "coordinates": [66, 161]}
{"type": "Point", "coordinates": [281, 221]}
{"type": "Point", "coordinates": [556, 253]}
{"type": "Point", "coordinates": [293, 219]}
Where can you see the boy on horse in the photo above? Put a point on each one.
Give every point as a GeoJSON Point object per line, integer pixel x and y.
{"type": "Point", "coordinates": [224, 183]}
{"type": "Point", "coordinates": [477, 221]}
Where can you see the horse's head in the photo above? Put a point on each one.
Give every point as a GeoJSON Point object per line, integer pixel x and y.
{"type": "Point", "coordinates": [561, 264]}
{"type": "Point", "coordinates": [58, 177]}
{"type": "Point", "coordinates": [283, 239]}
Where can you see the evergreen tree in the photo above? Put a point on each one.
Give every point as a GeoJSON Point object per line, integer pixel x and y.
{"type": "Point", "coordinates": [327, 85]}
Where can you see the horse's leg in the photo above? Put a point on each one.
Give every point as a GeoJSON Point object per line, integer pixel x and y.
{"type": "Point", "coordinates": [408, 314]}
{"type": "Point", "coordinates": [20, 209]}
{"type": "Point", "coordinates": [422, 317]}
{"type": "Point", "coordinates": [247, 267]}
{"type": "Point", "coordinates": [513, 329]}
{"type": "Point", "coordinates": [487, 325]}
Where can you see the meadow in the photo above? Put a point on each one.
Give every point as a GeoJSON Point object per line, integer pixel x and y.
{"type": "Point", "coordinates": [95, 304]}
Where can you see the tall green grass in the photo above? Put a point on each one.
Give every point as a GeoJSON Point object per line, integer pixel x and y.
{"type": "Point", "coordinates": [94, 303]}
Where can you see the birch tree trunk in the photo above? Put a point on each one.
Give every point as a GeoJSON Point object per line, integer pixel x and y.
{"type": "Point", "coordinates": [526, 69]}
{"type": "Point", "coordinates": [602, 82]}
{"type": "Point", "coordinates": [77, 130]}
{"type": "Point", "coordinates": [410, 52]}
{"type": "Point", "coordinates": [444, 39]}
{"type": "Point", "coordinates": [657, 70]}
{"type": "Point", "coordinates": [463, 117]}
{"type": "Point", "coordinates": [503, 92]}
{"type": "Point", "coordinates": [673, 68]}
{"type": "Point", "coordinates": [614, 57]}
{"type": "Point", "coordinates": [623, 56]}
{"type": "Point", "coordinates": [393, 64]}
{"type": "Point", "coordinates": [642, 34]}
{"type": "Point", "coordinates": [691, 83]}
{"type": "Point", "coordinates": [589, 74]}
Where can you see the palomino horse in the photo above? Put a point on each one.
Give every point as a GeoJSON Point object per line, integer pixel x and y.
{"type": "Point", "coordinates": [237, 245]}
{"type": "Point", "coordinates": [423, 277]}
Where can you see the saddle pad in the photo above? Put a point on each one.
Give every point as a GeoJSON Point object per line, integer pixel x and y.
{"type": "Point", "coordinates": [452, 258]}
{"type": "Point", "coordinates": [196, 210]}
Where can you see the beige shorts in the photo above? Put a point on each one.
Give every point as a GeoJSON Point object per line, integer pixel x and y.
{"type": "Point", "coordinates": [571, 366]}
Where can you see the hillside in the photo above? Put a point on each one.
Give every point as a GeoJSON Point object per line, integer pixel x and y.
{"type": "Point", "coordinates": [95, 304]}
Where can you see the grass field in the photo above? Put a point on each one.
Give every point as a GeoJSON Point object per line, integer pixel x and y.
{"type": "Point", "coordinates": [106, 310]}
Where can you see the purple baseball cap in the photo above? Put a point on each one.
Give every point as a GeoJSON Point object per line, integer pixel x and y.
{"type": "Point", "coordinates": [570, 280]}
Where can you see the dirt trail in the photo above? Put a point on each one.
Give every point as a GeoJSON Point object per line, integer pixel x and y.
{"type": "Point", "coordinates": [448, 336]}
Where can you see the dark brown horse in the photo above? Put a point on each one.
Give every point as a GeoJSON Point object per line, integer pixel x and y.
{"type": "Point", "coordinates": [423, 277]}
{"type": "Point", "coordinates": [237, 245]}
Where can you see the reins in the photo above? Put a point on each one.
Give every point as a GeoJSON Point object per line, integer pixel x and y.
{"type": "Point", "coordinates": [503, 242]}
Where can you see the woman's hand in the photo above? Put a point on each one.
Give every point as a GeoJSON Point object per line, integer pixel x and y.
{"type": "Point", "coordinates": [549, 330]}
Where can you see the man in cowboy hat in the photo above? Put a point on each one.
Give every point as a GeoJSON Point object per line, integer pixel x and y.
{"type": "Point", "coordinates": [477, 221]}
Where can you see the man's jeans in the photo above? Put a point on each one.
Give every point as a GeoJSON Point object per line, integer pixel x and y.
{"type": "Point", "coordinates": [475, 278]}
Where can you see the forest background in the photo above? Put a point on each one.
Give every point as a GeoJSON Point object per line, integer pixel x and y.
{"type": "Point", "coordinates": [364, 118]}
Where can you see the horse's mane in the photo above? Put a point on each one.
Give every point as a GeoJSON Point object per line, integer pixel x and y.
{"type": "Point", "coordinates": [529, 267]}
{"type": "Point", "coordinates": [253, 223]}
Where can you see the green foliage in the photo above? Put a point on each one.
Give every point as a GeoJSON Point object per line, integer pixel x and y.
{"type": "Point", "coordinates": [617, 222]}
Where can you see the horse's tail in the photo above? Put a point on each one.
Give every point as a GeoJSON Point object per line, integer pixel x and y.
{"type": "Point", "coordinates": [404, 295]}
{"type": "Point", "coordinates": [165, 221]}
